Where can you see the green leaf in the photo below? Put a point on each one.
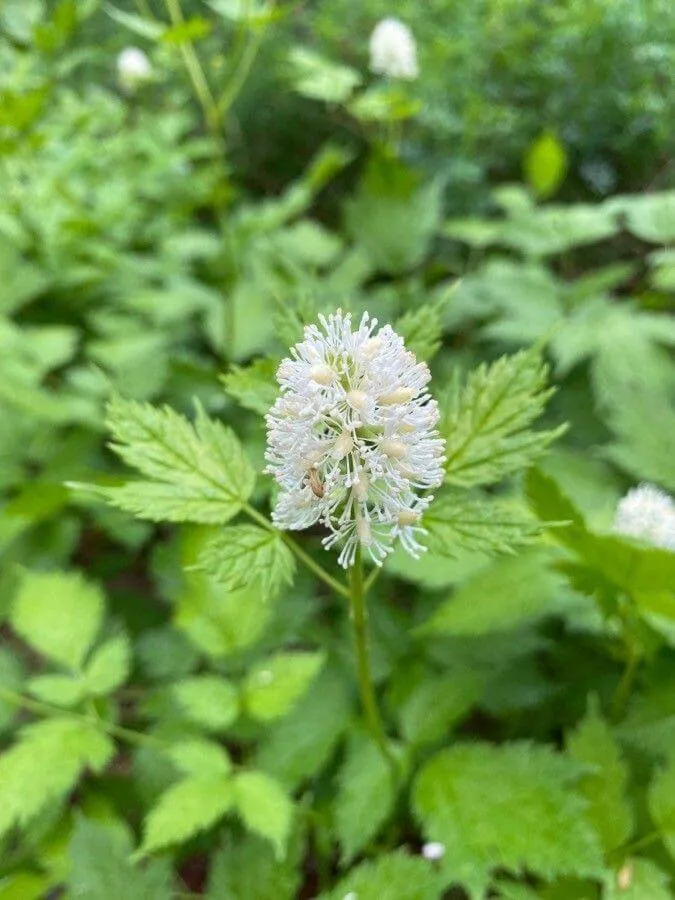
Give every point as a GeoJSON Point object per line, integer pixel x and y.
{"type": "Point", "coordinates": [100, 867]}
{"type": "Point", "coordinates": [208, 701]}
{"type": "Point", "coordinates": [61, 690]}
{"type": "Point", "coordinates": [486, 423]}
{"type": "Point", "coordinates": [199, 473]}
{"type": "Point", "coordinates": [545, 165]}
{"type": "Point", "coordinates": [45, 764]}
{"type": "Point", "coordinates": [187, 808]}
{"type": "Point", "coordinates": [392, 876]}
{"type": "Point", "coordinates": [455, 523]}
{"type": "Point", "coordinates": [264, 808]}
{"type": "Point", "coordinates": [661, 799]}
{"type": "Point", "coordinates": [137, 24]}
{"type": "Point", "coordinates": [437, 703]}
{"type": "Point", "coordinates": [290, 750]}
{"type": "Point", "coordinates": [394, 215]}
{"type": "Point", "coordinates": [247, 868]}
{"type": "Point", "coordinates": [315, 77]}
{"type": "Point", "coordinates": [200, 758]}
{"type": "Point", "coordinates": [499, 597]}
{"type": "Point", "coordinates": [108, 667]}
{"type": "Point", "coordinates": [593, 744]}
{"type": "Point", "coordinates": [638, 879]}
{"type": "Point", "coordinates": [365, 797]}
{"type": "Point", "coordinates": [11, 678]}
{"type": "Point", "coordinates": [422, 330]}
{"type": "Point", "coordinates": [274, 686]}
{"type": "Point", "coordinates": [509, 807]}
{"type": "Point", "coordinates": [247, 555]}
{"type": "Point", "coordinates": [59, 614]}
{"type": "Point", "coordinates": [253, 386]}
{"type": "Point", "coordinates": [651, 217]}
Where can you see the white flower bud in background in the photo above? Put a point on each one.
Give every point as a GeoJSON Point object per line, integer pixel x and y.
{"type": "Point", "coordinates": [133, 69]}
{"type": "Point", "coordinates": [648, 514]}
{"type": "Point", "coordinates": [352, 439]}
{"type": "Point", "coordinates": [393, 51]}
{"type": "Point", "coordinates": [434, 850]}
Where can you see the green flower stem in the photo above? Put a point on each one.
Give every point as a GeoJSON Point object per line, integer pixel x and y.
{"type": "Point", "coordinates": [304, 557]}
{"type": "Point", "coordinates": [48, 709]}
{"type": "Point", "coordinates": [196, 74]}
{"type": "Point", "coordinates": [359, 618]}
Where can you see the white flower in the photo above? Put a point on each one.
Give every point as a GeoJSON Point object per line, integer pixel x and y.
{"type": "Point", "coordinates": [352, 439]}
{"type": "Point", "coordinates": [133, 68]}
{"type": "Point", "coordinates": [433, 850]}
{"type": "Point", "coordinates": [393, 51]}
{"type": "Point", "coordinates": [648, 514]}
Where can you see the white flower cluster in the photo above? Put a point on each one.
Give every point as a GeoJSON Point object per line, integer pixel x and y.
{"type": "Point", "coordinates": [133, 69]}
{"type": "Point", "coordinates": [352, 438]}
{"type": "Point", "coordinates": [648, 514]}
{"type": "Point", "coordinates": [393, 51]}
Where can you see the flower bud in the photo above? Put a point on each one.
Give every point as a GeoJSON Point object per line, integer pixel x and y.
{"type": "Point", "coordinates": [133, 69]}
{"type": "Point", "coordinates": [393, 51]}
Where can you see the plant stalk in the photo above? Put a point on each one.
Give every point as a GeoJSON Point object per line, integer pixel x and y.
{"type": "Point", "coordinates": [359, 618]}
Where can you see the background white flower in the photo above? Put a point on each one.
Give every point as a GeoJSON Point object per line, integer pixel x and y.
{"type": "Point", "coordinates": [133, 68]}
{"type": "Point", "coordinates": [393, 51]}
{"type": "Point", "coordinates": [647, 513]}
{"type": "Point", "coordinates": [352, 439]}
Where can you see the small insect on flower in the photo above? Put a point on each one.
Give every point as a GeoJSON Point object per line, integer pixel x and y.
{"type": "Point", "coordinates": [393, 51]}
{"type": "Point", "coordinates": [648, 514]}
{"type": "Point", "coordinates": [133, 69]}
{"type": "Point", "coordinates": [352, 439]}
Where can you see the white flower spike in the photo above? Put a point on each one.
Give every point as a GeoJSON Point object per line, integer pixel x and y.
{"type": "Point", "coordinates": [133, 69]}
{"type": "Point", "coordinates": [393, 51]}
{"type": "Point", "coordinates": [352, 439]}
{"type": "Point", "coordinates": [648, 514]}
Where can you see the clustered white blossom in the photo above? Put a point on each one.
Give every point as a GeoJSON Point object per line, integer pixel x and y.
{"type": "Point", "coordinates": [352, 439]}
{"type": "Point", "coordinates": [133, 68]}
{"type": "Point", "coordinates": [393, 51]}
{"type": "Point", "coordinates": [648, 514]}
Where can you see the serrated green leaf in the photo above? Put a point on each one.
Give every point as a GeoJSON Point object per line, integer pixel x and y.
{"type": "Point", "coordinates": [200, 758]}
{"type": "Point", "coordinates": [253, 386]}
{"type": "Point", "coordinates": [365, 798]}
{"type": "Point", "coordinates": [59, 614]}
{"type": "Point", "coordinates": [510, 807]}
{"type": "Point", "coordinates": [247, 868]}
{"type": "Point", "coordinates": [315, 77]}
{"type": "Point", "coordinates": [264, 807]}
{"type": "Point", "coordinates": [422, 330]}
{"type": "Point", "coordinates": [392, 876]}
{"type": "Point", "coordinates": [61, 690]}
{"type": "Point", "coordinates": [100, 867]}
{"type": "Point", "coordinates": [592, 743]}
{"type": "Point", "coordinates": [199, 472]}
{"type": "Point", "coordinates": [486, 424]}
{"type": "Point", "coordinates": [108, 667]}
{"type": "Point", "coordinates": [246, 555]}
{"type": "Point", "coordinates": [499, 597]}
{"type": "Point", "coordinates": [208, 701]}
{"type": "Point", "coordinates": [274, 686]}
{"type": "Point", "coordinates": [45, 764]}
{"type": "Point", "coordinates": [187, 808]}
{"type": "Point", "coordinates": [455, 523]}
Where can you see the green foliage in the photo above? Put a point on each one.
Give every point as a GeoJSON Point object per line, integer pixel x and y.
{"type": "Point", "coordinates": [508, 806]}
{"type": "Point", "coordinates": [394, 876]}
{"type": "Point", "coordinates": [208, 701]}
{"type": "Point", "coordinates": [247, 867]}
{"type": "Point", "coordinates": [59, 615]}
{"type": "Point", "coordinates": [276, 684]}
{"type": "Point", "coordinates": [100, 867]}
{"type": "Point", "coordinates": [194, 473]}
{"type": "Point", "coordinates": [46, 764]}
{"type": "Point", "coordinates": [661, 806]}
{"type": "Point", "coordinates": [486, 423]}
{"type": "Point", "coordinates": [592, 743]}
{"type": "Point", "coordinates": [253, 386]}
{"type": "Point", "coordinates": [264, 808]}
{"type": "Point", "coordinates": [244, 555]}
